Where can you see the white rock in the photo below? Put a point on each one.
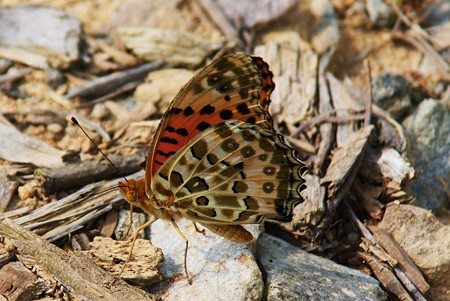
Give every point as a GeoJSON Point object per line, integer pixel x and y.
{"type": "Point", "coordinates": [220, 269]}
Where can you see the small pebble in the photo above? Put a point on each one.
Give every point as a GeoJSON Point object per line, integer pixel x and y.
{"type": "Point", "coordinates": [54, 78]}
{"type": "Point", "coordinates": [55, 128]}
{"type": "Point", "coordinates": [100, 111]}
{"type": "Point", "coordinates": [5, 65]}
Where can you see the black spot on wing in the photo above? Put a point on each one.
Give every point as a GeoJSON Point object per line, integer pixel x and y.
{"type": "Point", "coordinates": [188, 111]}
{"type": "Point", "coordinates": [203, 125]}
{"type": "Point", "coordinates": [169, 140]}
{"type": "Point", "coordinates": [208, 109]}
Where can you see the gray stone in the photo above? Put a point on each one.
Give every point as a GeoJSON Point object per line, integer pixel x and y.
{"type": "Point", "coordinates": [123, 229]}
{"type": "Point", "coordinates": [437, 13]}
{"type": "Point", "coordinates": [379, 12]}
{"type": "Point", "coordinates": [293, 274]}
{"type": "Point", "coordinates": [391, 92]}
{"type": "Point", "coordinates": [428, 132]}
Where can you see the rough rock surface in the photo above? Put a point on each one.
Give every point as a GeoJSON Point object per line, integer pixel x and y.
{"type": "Point", "coordinates": [428, 130]}
{"type": "Point", "coordinates": [424, 238]}
{"type": "Point", "coordinates": [293, 274]}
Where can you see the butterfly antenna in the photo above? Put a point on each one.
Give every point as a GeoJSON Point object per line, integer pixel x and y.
{"type": "Point", "coordinates": [74, 120]}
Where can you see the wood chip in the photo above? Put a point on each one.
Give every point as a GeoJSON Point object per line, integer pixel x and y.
{"type": "Point", "coordinates": [142, 269]}
{"type": "Point", "coordinates": [55, 42]}
{"type": "Point", "coordinates": [294, 65]}
{"type": "Point", "coordinates": [19, 283]}
{"type": "Point", "coordinates": [346, 104]}
{"type": "Point", "coordinates": [173, 47]}
{"type": "Point", "coordinates": [79, 174]}
{"type": "Point", "coordinates": [345, 157]}
{"type": "Point", "coordinates": [386, 277]}
{"type": "Point", "coordinates": [387, 241]}
{"type": "Point", "coordinates": [108, 83]}
{"type": "Point", "coordinates": [308, 214]}
{"type": "Point", "coordinates": [21, 148]}
{"type": "Point", "coordinates": [326, 129]}
{"type": "Point", "coordinates": [109, 224]}
{"type": "Point", "coordinates": [395, 167]}
{"type": "Point", "coordinates": [8, 188]}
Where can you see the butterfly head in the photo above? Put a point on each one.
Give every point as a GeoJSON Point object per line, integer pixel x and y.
{"type": "Point", "coordinates": [133, 191]}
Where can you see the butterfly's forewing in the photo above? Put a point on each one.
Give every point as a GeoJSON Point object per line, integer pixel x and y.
{"type": "Point", "coordinates": [235, 86]}
{"type": "Point", "coordinates": [232, 173]}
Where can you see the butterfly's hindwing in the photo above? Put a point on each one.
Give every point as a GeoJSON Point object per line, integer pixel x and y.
{"type": "Point", "coordinates": [234, 172]}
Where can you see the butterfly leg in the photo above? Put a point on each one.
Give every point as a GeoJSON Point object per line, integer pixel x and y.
{"type": "Point", "coordinates": [185, 250]}
{"type": "Point", "coordinates": [202, 231]}
{"type": "Point", "coordinates": [135, 235]}
{"type": "Point", "coordinates": [130, 224]}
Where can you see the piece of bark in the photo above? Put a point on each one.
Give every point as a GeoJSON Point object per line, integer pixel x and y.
{"type": "Point", "coordinates": [370, 244]}
{"type": "Point", "coordinates": [21, 148]}
{"type": "Point", "coordinates": [112, 82]}
{"type": "Point", "coordinates": [143, 267]}
{"type": "Point", "coordinates": [307, 215]}
{"type": "Point", "coordinates": [19, 283]}
{"type": "Point", "coordinates": [73, 270]}
{"type": "Point", "coordinates": [14, 213]}
{"type": "Point", "coordinates": [386, 277]}
{"type": "Point", "coordinates": [7, 188]}
{"type": "Point", "coordinates": [80, 242]}
{"type": "Point", "coordinates": [119, 56]}
{"type": "Point", "coordinates": [345, 164]}
{"type": "Point", "coordinates": [59, 179]}
{"type": "Point", "coordinates": [294, 66]}
{"type": "Point", "coordinates": [10, 77]}
{"type": "Point", "coordinates": [343, 169]}
{"type": "Point", "coordinates": [326, 129]}
{"type": "Point", "coordinates": [40, 36]}
{"type": "Point", "coordinates": [109, 224]}
{"type": "Point", "coordinates": [387, 241]}
{"type": "Point", "coordinates": [344, 102]}
{"type": "Point", "coordinates": [173, 47]}
{"type": "Point", "coordinates": [378, 251]}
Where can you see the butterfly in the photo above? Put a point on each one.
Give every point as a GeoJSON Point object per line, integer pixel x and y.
{"type": "Point", "coordinates": [216, 158]}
